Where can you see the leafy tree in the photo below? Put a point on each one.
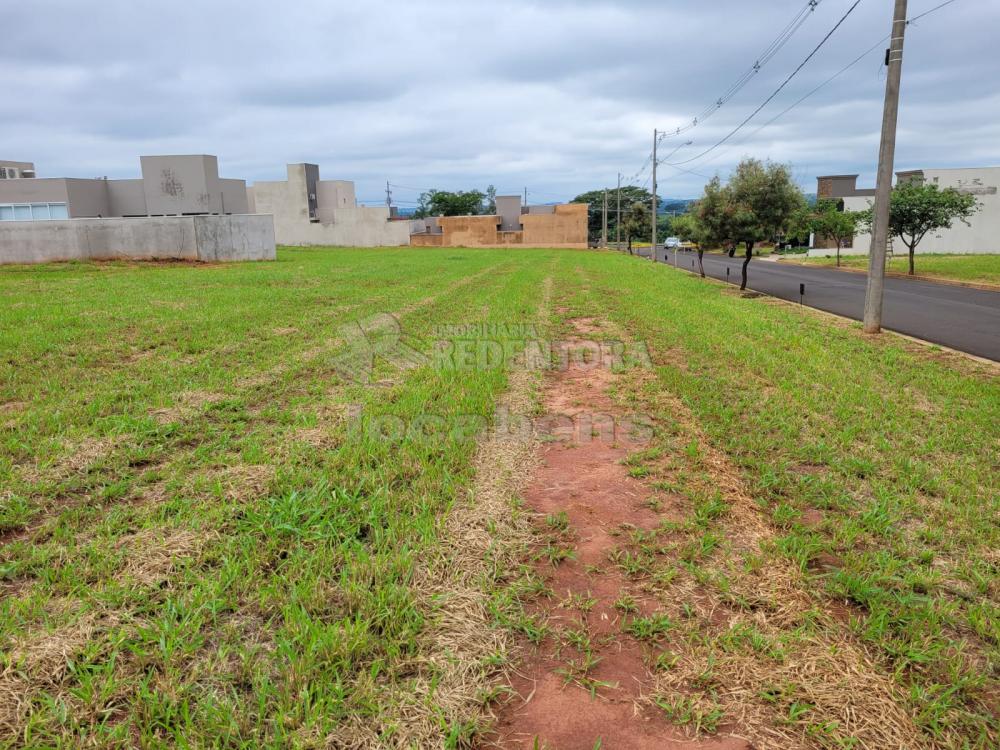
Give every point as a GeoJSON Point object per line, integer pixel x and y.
{"type": "Point", "coordinates": [689, 227]}
{"type": "Point", "coordinates": [635, 222]}
{"type": "Point", "coordinates": [491, 199]}
{"type": "Point", "coordinates": [827, 220]}
{"type": "Point", "coordinates": [916, 209]}
{"type": "Point", "coordinates": [714, 212]}
{"type": "Point", "coordinates": [763, 199]}
{"type": "Point", "coordinates": [446, 203]}
{"type": "Point", "coordinates": [631, 194]}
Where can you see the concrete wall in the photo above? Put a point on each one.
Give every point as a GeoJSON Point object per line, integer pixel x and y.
{"type": "Point", "coordinates": [982, 235]}
{"type": "Point", "coordinates": [337, 220]}
{"type": "Point", "coordinates": [203, 238]}
{"type": "Point", "coordinates": [126, 198]}
{"type": "Point", "coordinates": [37, 190]}
{"type": "Point", "coordinates": [509, 211]}
{"type": "Point", "coordinates": [88, 198]}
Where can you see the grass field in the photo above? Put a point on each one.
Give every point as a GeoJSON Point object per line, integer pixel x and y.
{"type": "Point", "coordinates": [219, 529]}
{"type": "Point", "coordinates": [981, 269]}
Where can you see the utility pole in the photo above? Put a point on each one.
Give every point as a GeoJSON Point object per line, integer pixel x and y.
{"type": "Point", "coordinates": [652, 255]}
{"type": "Point", "coordinates": [883, 186]}
{"type": "Point", "coordinates": [388, 195]}
{"type": "Point", "coordinates": [618, 216]}
{"type": "Point", "coordinates": [526, 196]}
{"type": "Point", "coordinates": [604, 221]}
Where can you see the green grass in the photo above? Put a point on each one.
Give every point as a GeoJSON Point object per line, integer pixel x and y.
{"type": "Point", "coordinates": [202, 548]}
{"type": "Point", "coordinates": [982, 269]}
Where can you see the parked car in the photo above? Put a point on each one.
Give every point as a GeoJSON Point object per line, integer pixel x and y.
{"type": "Point", "coordinates": [672, 242]}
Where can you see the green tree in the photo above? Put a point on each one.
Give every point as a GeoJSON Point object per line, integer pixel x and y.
{"type": "Point", "coordinates": [763, 199]}
{"type": "Point", "coordinates": [689, 227]}
{"type": "Point", "coordinates": [446, 203]}
{"type": "Point", "coordinates": [491, 199]}
{"type": "Point", "coordinates": [916, 209]}
{"type": "Point", "coordinates": [636, 223]}
{"type": "Point", "coordinates": [828, 220]}
{"type": "Point", "coordinates": [714, 213]}
{"type": "Point", "coordinates": [630, 195]}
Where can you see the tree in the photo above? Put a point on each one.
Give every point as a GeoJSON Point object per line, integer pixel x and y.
{"type": "Point", "coordinates": [714, 212]}
{"type": "Point", "coordinates": [829, 221]}
{"type": "Point", "coordinates": [689, 227]}
{"type": "Point", "coordinates": [636, 223]}
{"type": "Point", "coordinates": [916, 209]}
{"type": "Point", "coordinates": [491, 199]}
{"type": "Point", "coordinates": [763, 199]}
{"type": "Point", "coordinates": [630, 194]}
{"type": "Point", "coordinates": [445, 203]}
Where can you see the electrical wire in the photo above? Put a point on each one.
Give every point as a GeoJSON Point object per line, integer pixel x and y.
{"type": "Point", "coordinates": [878, 45]}
{"type": "Point", "coordinates": [777, 91]}
{"type": "Point", "coordinates": [765, 57]}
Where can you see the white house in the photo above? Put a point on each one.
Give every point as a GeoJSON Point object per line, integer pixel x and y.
{"type": "Point", "coordinates": [980, 235]}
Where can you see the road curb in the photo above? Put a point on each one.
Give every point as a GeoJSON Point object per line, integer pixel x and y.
{"type": "Point", "coordinates": [931, 279]}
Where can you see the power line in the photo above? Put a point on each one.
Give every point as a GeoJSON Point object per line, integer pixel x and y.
{"type": "Point", "coordinates": [878, 45]}
{"type": "Point", "coordinates": [765, 57]}
{"type": "Point", "coordinates": [777, 91]}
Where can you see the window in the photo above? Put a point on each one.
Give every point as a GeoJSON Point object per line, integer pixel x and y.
{"type": "Point", "coordinates": [33, 211]}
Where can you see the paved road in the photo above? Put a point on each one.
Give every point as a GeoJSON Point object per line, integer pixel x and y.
{"type": "Point", "coordinates": [954, 316]}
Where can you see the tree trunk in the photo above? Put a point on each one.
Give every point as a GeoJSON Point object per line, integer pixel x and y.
{"type": "Point", "coordinates": [629, 245]}
{"type": "Point", "coordinates": [838, 253]}
{"type": "Point", "coordinates": [912, 250]}
{"type": "Point", "coordinates": [746, 262]}
{"type": "Point", "coordinates": [701, 267]}
{"type": "Point", "coordinates": [732, 251]}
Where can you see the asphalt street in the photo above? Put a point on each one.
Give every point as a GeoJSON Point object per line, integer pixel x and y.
{"type": "Point", "coordinates": [955, 316]}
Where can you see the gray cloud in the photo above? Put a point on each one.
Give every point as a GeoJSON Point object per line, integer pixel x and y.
{"type": "Point", "coordinates": [559, 96]}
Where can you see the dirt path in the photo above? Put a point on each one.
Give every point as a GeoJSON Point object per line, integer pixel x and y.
{"type": "Point", "coordinates": [581, 687]}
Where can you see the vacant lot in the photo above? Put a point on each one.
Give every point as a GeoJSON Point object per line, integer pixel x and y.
{"type": "Point", "coordinates": [257, 505]}
{"type": "Point", "coordinates": [980, 269]}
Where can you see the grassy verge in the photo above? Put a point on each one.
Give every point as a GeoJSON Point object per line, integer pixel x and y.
{"type": "Point", "coordinates": [979, 269]}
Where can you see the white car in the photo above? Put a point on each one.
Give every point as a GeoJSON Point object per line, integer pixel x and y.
{"type": "Point", "coordinates": [672, 242]}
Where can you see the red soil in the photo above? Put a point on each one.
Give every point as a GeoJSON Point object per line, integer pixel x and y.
{"type": "Point", "coordinates": [586, 479]}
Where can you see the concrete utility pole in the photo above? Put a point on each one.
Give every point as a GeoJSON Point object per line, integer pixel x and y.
{"type": "Point", "coordinates": [526, 196]}
{"type": "Point", "coordinates": [652, 255]}
{"type": "Point", "coordinates": [618, 216]}
{"type": "Point", "coordinates": [388, 195]}
{"type": "Point", "coordinates": [604, 221]}
{"type": "Point", "coordinates": [883, 186]}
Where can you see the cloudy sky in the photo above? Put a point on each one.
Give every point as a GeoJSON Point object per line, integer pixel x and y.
{"type": "Point", "coordinates": [554, 95]}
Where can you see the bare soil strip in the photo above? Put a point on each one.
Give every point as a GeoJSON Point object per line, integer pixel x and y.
{"type": "Point", "coordinates": [584, 686]}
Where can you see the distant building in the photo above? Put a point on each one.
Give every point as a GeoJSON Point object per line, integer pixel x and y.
{"type": "Point", "coordinates": [169, 186]}
{"type": "Point", "coordinates": [980, 235]}
{"type": "Point", "coordinates": [311, 211]}
{"type": "Point", "coordinates": [15, 170]}
{"type": "Point", "coordinates": [561, 225]}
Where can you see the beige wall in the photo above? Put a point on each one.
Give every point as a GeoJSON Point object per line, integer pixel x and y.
{"type": "Point", "coordinates": [126, 198]}
{"type": "Point", "coordinates": [565, 227]}
{"type": "Point", "coordinates": [44, 190]}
